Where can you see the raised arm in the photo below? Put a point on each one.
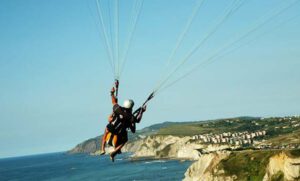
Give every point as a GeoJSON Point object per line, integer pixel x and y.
{"type": "Point", "coordinates": [114, 100]}
{"type": "Point", "coordinates": [139, 116]}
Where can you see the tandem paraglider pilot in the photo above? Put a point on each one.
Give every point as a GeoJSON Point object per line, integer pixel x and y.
{"type": "Point", "coordinates": [120, 121]}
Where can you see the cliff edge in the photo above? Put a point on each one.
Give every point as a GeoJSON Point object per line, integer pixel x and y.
{"type": "Point", "coordinates": [271, 165]}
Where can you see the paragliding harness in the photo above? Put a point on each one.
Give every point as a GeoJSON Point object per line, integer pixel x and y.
{"type": "Point", "coordinates": [116, 133]}
{"type": "Point", "coordinates": [115, 136]}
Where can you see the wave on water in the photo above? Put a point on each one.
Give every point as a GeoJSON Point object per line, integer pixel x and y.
{"type": "Point", "coordinates": [155, 161]}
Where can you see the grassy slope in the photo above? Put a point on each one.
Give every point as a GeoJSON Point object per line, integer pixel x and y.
{"type": "Point", "coordinates": [236, 125]}
{"type": "Point", "coordinates": [247, 165]}
{"type": "Point", "coordinates": [290, 138]}
{"type": "Point", "coordinates": [251, 165]}
{"type": "Point", "coordinates": [216, 126]}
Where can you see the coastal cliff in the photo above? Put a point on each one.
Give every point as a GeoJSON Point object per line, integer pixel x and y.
{"type": "Point", "coordinates": [216, 163]}
{"type": "Point", "coordinates": [163, 147]}
{"type": "Point", "coordinates": [283, 166]}
{"type": "Point", "coordinates": [242, 148]}
{"type": "Point", "coordinates": [205, 168]}
{"type": "Point", "coordinates": [245, 165]}
{"type": "Point", "coordinates": [160, 146]}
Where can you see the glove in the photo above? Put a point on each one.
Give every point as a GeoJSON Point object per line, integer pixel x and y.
{"type": "Point", "coordinates": [144, 108]}
{"type": "Point", "coordinates": [112, 91]}
{"type": "Point", "coordinates": [117, 83]}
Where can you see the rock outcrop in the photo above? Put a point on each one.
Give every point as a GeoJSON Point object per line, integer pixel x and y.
{"type": "Point", "coordinates": [208, 168]}
{"type": "Point", "coordinates": [89, 146]}
{"type": "Point", "coordinates": [170, 147]}
{"type": "Point", "coordinates": [281, 165]}
{"type": "Point", "coordinates": [205, 168]}
{"type": "Point", "coordinates": [163, 147]}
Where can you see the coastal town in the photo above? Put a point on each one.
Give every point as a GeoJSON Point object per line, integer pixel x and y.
{"type": "Point", "coordinates": [238, 138]}
{"type": "Point", "coordinates": [259, 138]}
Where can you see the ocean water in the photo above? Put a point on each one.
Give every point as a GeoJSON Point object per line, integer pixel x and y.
{"type": "Point", "coordinates": [62, 166]}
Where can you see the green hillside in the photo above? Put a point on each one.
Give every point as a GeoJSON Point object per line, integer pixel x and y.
{"type": "Point", "coordinates": [251, 164]}
{"type": "Point", "coordinates": [276, 126]}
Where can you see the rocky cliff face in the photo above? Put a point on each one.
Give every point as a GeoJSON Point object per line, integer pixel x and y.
{"type": "Point", "coordinates": [281, 165]}
{"type": "Point", "coordinates": [89, 146]}
{"type": "Point", "coordinates": [170, 147]}
{"type": "Point", "coordinates": [213, 163]}
{"type": "Point", "coordinates": [164, 147]}
{"type": "Point", "coordinates": [205, 168]}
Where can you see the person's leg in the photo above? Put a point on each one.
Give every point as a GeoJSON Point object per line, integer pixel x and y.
{"type": "Point", "coordinates": [123, 138]}
{"type": "Point", "coordinates": [116, 151]}
{"type": "Point", "coordinates": [118, 148]}
{"type": "Point", "coordinates": [104, 142]}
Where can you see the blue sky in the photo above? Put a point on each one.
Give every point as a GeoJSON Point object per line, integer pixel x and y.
{"type": "Point", "coordinates": [55, 76]}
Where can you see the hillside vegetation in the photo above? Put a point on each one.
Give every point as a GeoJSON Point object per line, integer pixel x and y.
{"type": "Point", "coordinates": [276, 126]}
{"type": "Point", "coordinates": [249, 165]}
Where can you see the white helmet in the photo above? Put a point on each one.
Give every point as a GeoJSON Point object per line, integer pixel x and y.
{"type": "Point", "coordinates": [128, 104]}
